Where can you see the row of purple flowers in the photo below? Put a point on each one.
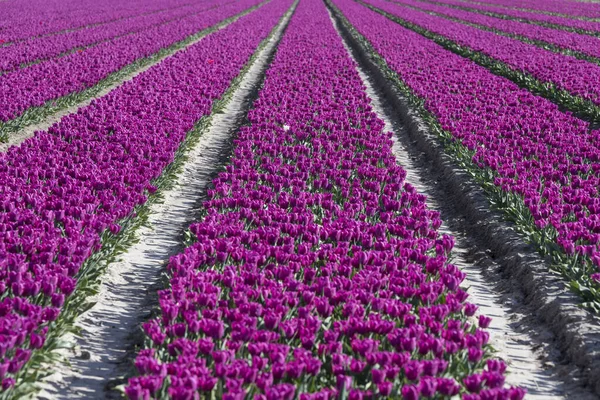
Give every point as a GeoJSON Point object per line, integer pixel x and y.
{"type": "Point", "coordinates": [578, 77]}
{"type": "Point", "coordinates": [26, 20]}
{"type": "Point", "coordinates": [317, 271]}
{"type": "Point", "coordinates": [37, 84]}
{"type": "Point", "coordinates": [585, 44]}
{"type": "Point", "coordinates": [575, 8]}
{"type": "Point", "coordinates": [547, 158]}
{"type": "Point", "coordinates": [63, 189]}
{"type": "Point", "coordinates": [37, 49]}
{"type": "Point", "coordinates": [525, 16]}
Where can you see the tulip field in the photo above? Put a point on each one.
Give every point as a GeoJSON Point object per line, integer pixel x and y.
{"type": "Point", "coordinates": [398, 199]}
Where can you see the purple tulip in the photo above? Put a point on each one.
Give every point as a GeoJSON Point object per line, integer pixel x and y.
{"type": "Point", "coordinates": [484, 321]}
{"type": "Point", "coordinates": [410, 392]}
{"type": "Point", "coordinates": [473, 383]}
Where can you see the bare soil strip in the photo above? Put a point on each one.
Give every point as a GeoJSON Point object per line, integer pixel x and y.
{"type": "Point", "coordinates": [111, 329]}
{"type": "Point", "coordinates": [503, 274]}
{"type": "Point", "coordinates": [28, 130]}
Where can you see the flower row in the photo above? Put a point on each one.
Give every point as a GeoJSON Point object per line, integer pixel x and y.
{"type": "Point", "coordinates": [585, 44]}
{"type": "Point", "coordinates": [39, 83]}
{"type": "Point", "coordinates": [25, 20]}
{"type": "Point", "coordinates": [576, 9]}
{"type": "Point", "coordinates": [40, 48]}
{"type": "Point", "coordinates": [317, 271]}
{"type": "Point", "coordinates": [525, 16]}
{"type": "Point", "coordinates": [62, 189]}
{"type": "Point", "coordinates": [549, 159]}
{"type": "Point", "coordinates": [578, 77]}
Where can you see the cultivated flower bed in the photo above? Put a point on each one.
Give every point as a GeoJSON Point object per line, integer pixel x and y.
{"type": "Point", "coordinates": [36, 49]}
{"type": "Point", "coordinates": [64, 192]}
{"type": "Point", "coordinates": [25, 20]}
{"type": "Point", "coordinates": [588, 10]}
{"type": "Point", "coordinates": [316, 271]}
{"type": "Point", "coordinates": [585, 44]}
{"type": "Point", "coordinates": [526, 16]}
{"type": "Point", "coordinates": [541, 164]}
{"type": "Point", "coordinates": [37, 84]}
{"type": "Point", "coordinates": [526, 64]}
